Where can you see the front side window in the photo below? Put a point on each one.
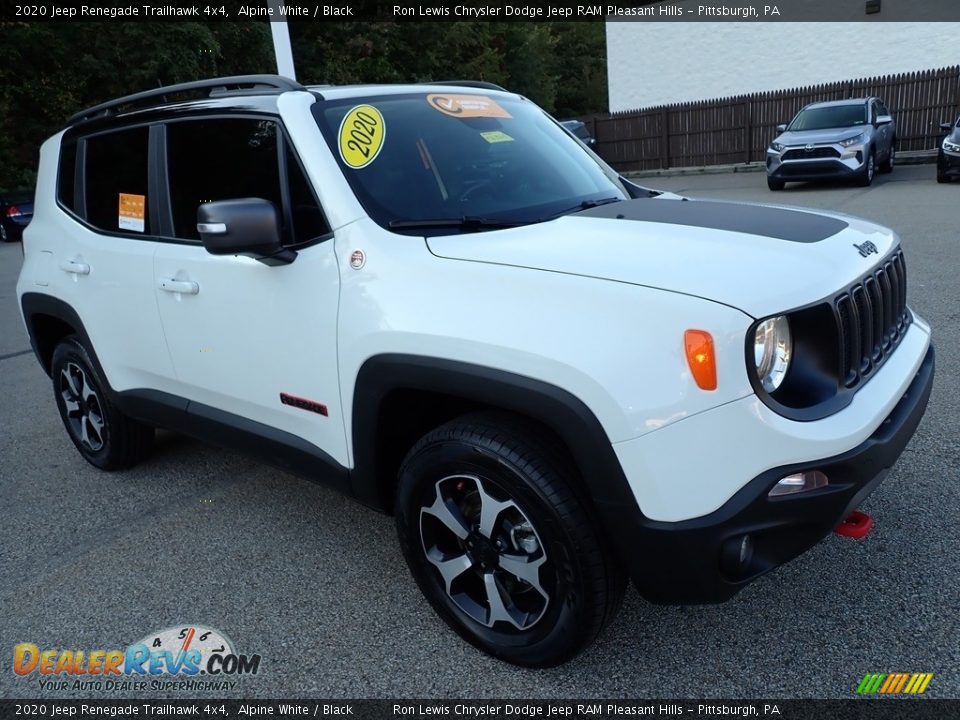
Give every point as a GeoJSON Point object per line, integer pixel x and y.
{"type": "Point", "coordinates": [307, 220]}
{"type": "Point", "coordinates": [434, 158]}
{"type": "Point", "coordinates": [116, 181]}
{"type": "Point", "coordinates": [823, 118]}
{"type": "Point", "coordinates": [233, 158]}
{"type": "Point", "coordinates": [220, 159]}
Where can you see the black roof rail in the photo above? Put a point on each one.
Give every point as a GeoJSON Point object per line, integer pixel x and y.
{"type": "Point", "coordinates": [482, 84]}
{"type": "Point", "coordinates": [239, 84]}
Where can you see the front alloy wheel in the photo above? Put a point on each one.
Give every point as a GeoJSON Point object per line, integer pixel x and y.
{"type": "Point", "coordinates": [487, 552]}
{"type": "Point", "coordinates": [869, 169]}
{"type": "Point", "coordinates": [502, 543]}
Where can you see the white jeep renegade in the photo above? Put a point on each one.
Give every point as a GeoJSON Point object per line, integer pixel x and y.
{"type": "Point", "coordinates": [437, 300]}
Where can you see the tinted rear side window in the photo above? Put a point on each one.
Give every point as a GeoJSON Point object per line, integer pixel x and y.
{"type": "Point", "coordinates": [116, 181]}
{"type": "Point", "coordinates": [67, 174]}
{"type": "Point", "coordinates": [220, 160]}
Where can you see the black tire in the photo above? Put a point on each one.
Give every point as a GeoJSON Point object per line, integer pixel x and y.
{"type": "Point", "coordinates": [775, 184]}
{"type": "Point", "coordinates": [869, 169]}
{"type": "Point", "coordinates": [105, 437]}
{"type": "Point", "coordinates": [577, 586]}
{"type": "Point", "coordinates": [887, 165]}
{"type": "Point", "coordinates": [943, 178]}
{"type": "Point", "coordinates": [4, 237]}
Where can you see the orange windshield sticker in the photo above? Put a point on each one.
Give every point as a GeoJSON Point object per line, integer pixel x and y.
{"type": "Point", "coordinates": [467, 106]}
{"type": "Point", "coordinates": [132, 212]}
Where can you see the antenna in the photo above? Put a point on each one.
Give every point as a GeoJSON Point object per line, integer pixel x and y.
{"type": "Point", "coordinates": [281, 39]}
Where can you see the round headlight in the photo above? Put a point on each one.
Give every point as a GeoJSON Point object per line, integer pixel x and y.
{"type": "Point", "coordinates": [772, 348]}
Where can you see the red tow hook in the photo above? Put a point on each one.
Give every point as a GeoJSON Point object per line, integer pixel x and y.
{"type": "Point", "coordinates": [855, 525]}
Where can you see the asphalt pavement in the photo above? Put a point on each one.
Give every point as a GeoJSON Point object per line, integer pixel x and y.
{"type": "Point", "coordinates": [316, 585]}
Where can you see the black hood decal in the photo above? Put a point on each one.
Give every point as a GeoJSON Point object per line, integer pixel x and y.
{"type": "Point", "coordinates": [778, 223]}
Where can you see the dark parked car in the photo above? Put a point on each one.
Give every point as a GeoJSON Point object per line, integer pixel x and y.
{"type": "Point", "coordinates": [948, 159]}
{"type": "Point", "coordinates": [837, 139]}
{"type": "Point", "coordinates": [580, 131]}
{"type": "Point", "coordinates": [16, 211]}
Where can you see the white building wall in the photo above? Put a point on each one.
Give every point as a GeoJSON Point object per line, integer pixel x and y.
{"type": "Point", "coordinates": [658, 63]}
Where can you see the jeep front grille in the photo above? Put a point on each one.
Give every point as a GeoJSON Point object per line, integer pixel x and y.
{"type": "Point", "coordinates": [872, 317]}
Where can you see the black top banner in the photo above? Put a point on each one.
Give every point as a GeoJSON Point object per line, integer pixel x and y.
{"type": "Point", "coordinates": [890, 709]}
{"type": "Point", "coordinates": [488, 10]}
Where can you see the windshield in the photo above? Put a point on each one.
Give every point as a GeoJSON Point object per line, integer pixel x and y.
{"type": "Point", "coordinates": [455, 156]}
{"type": "Point", "coordinates": [822, 118]}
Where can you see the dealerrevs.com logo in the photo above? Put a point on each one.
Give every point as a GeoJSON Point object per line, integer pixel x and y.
{"type": "Point", "coordinates": [187, 657]}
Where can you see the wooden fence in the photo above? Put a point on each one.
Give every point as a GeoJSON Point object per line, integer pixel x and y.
{"type": "Point", "coordinates": [739, 129]}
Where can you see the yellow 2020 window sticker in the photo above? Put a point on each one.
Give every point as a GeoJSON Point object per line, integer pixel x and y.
{"type": "Point", "coordinates": [132, 212]}
{"type": "Point", "coordinates": [496, 136]}
{"type": "Point", "coordinates": [361, 136]}
{"type": "Point", "coordinates": [467, 106]}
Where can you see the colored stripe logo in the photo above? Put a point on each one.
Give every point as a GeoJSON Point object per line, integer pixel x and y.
{"type": "Point", "coordinates": [894, 683]}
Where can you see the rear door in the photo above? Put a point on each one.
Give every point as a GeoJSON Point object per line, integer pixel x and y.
{"type": "Point", "coordinates": [100, 253]}
{"type": "Point", "coordinates": [253, 341]}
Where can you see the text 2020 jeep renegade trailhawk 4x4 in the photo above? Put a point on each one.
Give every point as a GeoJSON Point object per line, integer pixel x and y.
{"type": "Point", "coordinates": [434, 298]}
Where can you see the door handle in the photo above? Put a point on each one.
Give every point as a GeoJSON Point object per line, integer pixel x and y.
{"type": "Point", "coordinates": [184, 287]}
{"type": "Point", "coordinates": [77, 268]}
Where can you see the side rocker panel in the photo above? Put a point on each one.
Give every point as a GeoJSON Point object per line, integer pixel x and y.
{"type": "Point", "coordinates": [275, 447]}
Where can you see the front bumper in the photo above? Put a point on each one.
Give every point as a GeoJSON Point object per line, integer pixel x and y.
{"type": "Point", "coordinates": [688, 561]}
{"type": "Point", "coordinates": [793, 164]}
{"type": "Point", "coordinates": [948, 164]}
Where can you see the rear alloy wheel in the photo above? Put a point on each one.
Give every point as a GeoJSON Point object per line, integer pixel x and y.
{"type": "Point", "coordinates": [3, 234]}
{"type": "Point", "coordinates": [869, 169]}
{"type": "Point", "coordinates": [775, 184]}
{"type": "Point", "coordinates": [104, 436]}
{"type": "Point", "coordinates": [501, 544]}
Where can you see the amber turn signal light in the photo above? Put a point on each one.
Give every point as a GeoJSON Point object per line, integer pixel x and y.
{"type": "Point", "coordinates": [698, 345]}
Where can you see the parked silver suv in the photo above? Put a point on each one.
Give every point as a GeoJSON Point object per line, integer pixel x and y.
{"type": "Point", "coordinates": [837, 139]}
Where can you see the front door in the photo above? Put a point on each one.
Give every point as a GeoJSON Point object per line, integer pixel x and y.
{"type": "Point", "coordinates": [252, 340]}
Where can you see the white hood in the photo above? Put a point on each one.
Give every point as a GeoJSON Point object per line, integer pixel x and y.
{"type": "Point", "coordinates": [761, 259]}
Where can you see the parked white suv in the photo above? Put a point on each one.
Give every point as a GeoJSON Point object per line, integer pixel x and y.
{"type": "Point", "coordinates": [435, 299]}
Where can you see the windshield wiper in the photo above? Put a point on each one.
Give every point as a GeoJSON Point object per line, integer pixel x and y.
{"type": "Point", "coordinates": [465, 222]}
{"type": "Point", "coordinates": [586, 205]}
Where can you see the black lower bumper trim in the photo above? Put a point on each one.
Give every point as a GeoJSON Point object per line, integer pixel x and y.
{"type": "Point", "coordinates": [681, 562]}
{"type": "Point", "coordinates": [813, 171]}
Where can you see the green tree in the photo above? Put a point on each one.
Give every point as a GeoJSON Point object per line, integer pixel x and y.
{"type": "Point", "coordinates": [48, 71]}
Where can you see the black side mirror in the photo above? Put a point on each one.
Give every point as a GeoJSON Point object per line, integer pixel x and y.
{"type": "Point", "coordinates": [946, 127]}
{"type": "Point", "coordinates": [782, 127]}
{"type": "Point", "coordinates": [247, 226]}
